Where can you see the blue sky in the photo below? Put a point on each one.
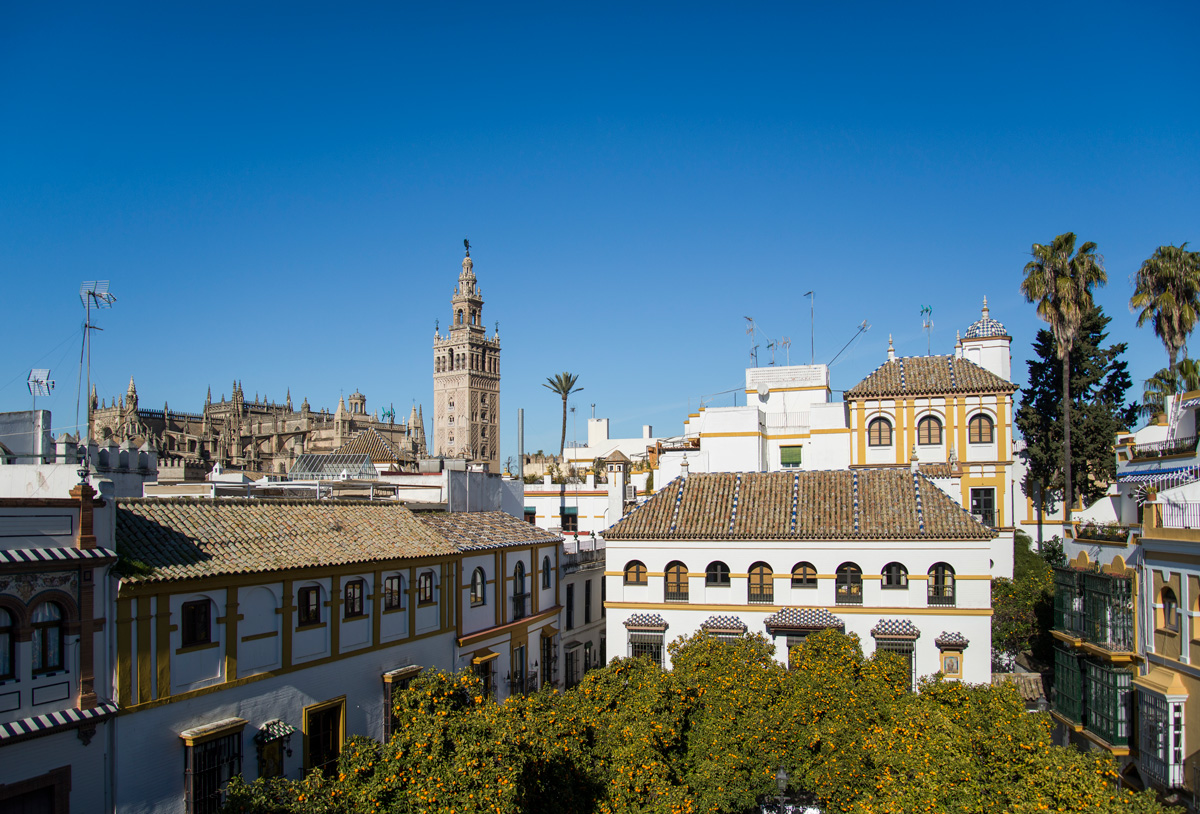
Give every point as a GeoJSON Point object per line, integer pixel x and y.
{"type": "Point", "coordinates": [279, 193]}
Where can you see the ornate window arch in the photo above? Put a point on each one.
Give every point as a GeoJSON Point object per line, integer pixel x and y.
{"type": "Point", "coordinates": [635, 573]}
{"type": "Point", "coordinates": [675, 588]}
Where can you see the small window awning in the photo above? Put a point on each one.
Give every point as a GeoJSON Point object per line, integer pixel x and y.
{"type": "Point", "coordinates": [1151, 474]}
{"type": "Point", "coordinates": [484, 656]}
{"type": "Point", "coordinates": [531, 510]}
{"type": "Point", "coordinates": [273, 731]}
{"type": "Point", "coordinates": [549, 631]}
{"type": "Point", "coordinates": [570, 511]}
{"type": "Point", "coordinates": [402, 673]}
{"type": "Point", "coordinates": [573, 646]}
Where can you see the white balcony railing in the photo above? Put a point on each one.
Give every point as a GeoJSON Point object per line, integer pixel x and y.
{"type": "Point", "coordinates": [1181, 515]}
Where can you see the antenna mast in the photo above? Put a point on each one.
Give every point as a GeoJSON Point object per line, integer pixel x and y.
{"type": "Point", "coordinates": [93, 294]}
{"type": "Point", "coordinates": [812, 325]}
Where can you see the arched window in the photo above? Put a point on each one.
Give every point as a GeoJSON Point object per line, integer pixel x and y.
{"type": "Point", "coordinates": [425, 588]}
{"type": "Point", "coordinates": [635, 573]}
{"type": "Point", "coordinates": [717, 575]}
{"type": "Point", "coordinates": [762, 584]}
{"type": "Point", "coordinates": [849, 584]}
{"type": "Point", "coordinates": [980, 430]}
{"type": "Point", "coordinates": [519, 579]}
{"type": "Point", "coordinates": [804, 575]}
{"type": "Point", "coordinates": [929, 431]}
{"type": "Point", "coordinates": [546, 572]}
{"type": "Point", "coordinates": [8, 645]}
{"type": "Point", "coordinates": [47, 637]}
{"type": "Point", "coordinates": [478, 587]}
{"type": "Point", "coordinates": [460, 316]}
{"type": "Point", "coordinates": [879, 433]}
{"type": "Point", "coordinates": [676, 589]}
{"type": "Point", "coordinates": [895, 575]}
{"type": "Point", "coordinates": [941, 585]}
{"type": "Point", "coordinates": [1170, 609]}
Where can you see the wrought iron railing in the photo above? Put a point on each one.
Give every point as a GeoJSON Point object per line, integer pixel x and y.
{"type": "Point", "coordinates": [849, 594]}
{"type": "Point", "coordinates": [942, 595]}
{"type": "Point", "coordinates": [1161, 449]}
{"type": "Point", "coordinates": [675, 596]}
{"type": "Point", "coordinates": [761, 597]}
{"type": "Point", "coordinates": [1068, 601]}
{"type": "Point", "coordinates": [1108, 611]}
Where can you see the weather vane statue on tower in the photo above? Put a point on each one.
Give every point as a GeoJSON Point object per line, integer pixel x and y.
{"type": "Point", "coordinates": [467, 246]}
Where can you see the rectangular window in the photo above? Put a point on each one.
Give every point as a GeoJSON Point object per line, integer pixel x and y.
{"type": "Point", "coordinates": [904, 649]}
{"type": "Point", "coordinates": [195, 628]}
{"type": "Point", "coordinates": [425, 588]}
{"type": "Point", "coordinates": [603, 593]}
{"type": "Point", "coordinates": [983, 506]}
{"type": "Point", "coordinates": [587, 601]}
{"type": "Point", "coordinates": [352, 604]}
{"type": "Point", "coordinates": [484, 670]}
{"type": "Point", "coordinates": [548, 659]}
{"type": "Point", "coordinates": [789, 457]}
{"type": "Point", "coordinates": [208, 767]}
{"type": "Point", "coordinates": [646, 644]}
{"type": "Point", "coordinates": [393, 596]}
{"type": "Point", "coordinates": [309, 606]}
{"type": "Point", "coordinates": [572, 667]}
{"type": "Point", "coordinates": [1108, 702]}
{"type": "Point", "coordinates": [570, 520]}
{"type": "Point", "coordinates": [531, 515]}
{"type": "Point", "coordinates": [570, 607]}
{"type": "Point", "coordinates": [323, 735]}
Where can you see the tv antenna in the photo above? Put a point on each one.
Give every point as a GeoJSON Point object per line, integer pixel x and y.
{"type": "Point", "coordinates": [927, 326]}
{"type": "Point", "coordinates": [786, 344]}
{"type": "Point", "coordinates": [753, 330]}
{"type": "Point", "coordinates": [94, 295]}
{"type": "Point", "coordinates": [40, 384]}
{"type": "Point", "coordinates": [862, 329]}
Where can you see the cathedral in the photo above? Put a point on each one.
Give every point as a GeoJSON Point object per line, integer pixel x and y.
{"type": "Point", "coordinates": [260, 435]}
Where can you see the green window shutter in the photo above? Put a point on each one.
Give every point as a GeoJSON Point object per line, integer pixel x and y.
{"type": "Point", "coordinates": [568, 511]}
{"type": "Point", "coordinates": [790, 456]}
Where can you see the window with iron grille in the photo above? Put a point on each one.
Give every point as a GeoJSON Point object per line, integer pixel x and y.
{"type": "Point", "coordinates": [8, 646]}
{"type": "Point", "coordinates": [309, 606]}
{"type": "Point", "coordinates": [676, 586]}
{"type": "Point", "coordinates": [393, 593]}
{"type": "Point", "coordinates": [849, 584]}
{"type": "Point", "coordinates": [486, 675]}
{"type": "Point", "coordinates": [196, 627]}
{"type": "Point", "coordinates": [762, 584]}
{"type": "Point", "coordinates": [548, 660]}
{"type": "Point", "coordinates": [646, 644]}
{"type": "Point", "coordinates": [352, 599]}
{"type": "Point", "coordinates": [794, 640]}
{"type": "Point", "coordinates": [1108, 702]}
{"type": "Point", "coordinates": [1068, 601]}
{"type": "Point", "coordinates": [208, 767]}
{"type": "Point", "coordinates": [940, 588]}
{"type": "Point", "coordinates": [904, 649]}
{"type": "Point", "coordinates": [572, 675]}
{"type": "Point", "coordinates": [983, 506]}
{"type": "Point", "coordinates": [1067, 698]}
{"type": "Point", "coordinates": [1108, 610]}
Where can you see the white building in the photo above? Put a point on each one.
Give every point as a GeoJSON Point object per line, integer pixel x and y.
{"type": "Point", "coordinates": [882, 553]}
{"type": "Point", "coordinates": [56, 699]}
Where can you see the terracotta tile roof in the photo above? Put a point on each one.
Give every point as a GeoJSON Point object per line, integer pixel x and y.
{"type": "Point", "coordinates": [192, 537]}
{"type": "Point", "coordinates": [370, 442]}
{"type": "Point", "coordinates": [858, 504]}
{"type": "Point", "coordinates": [938, 470]}
{"type": "Point", "coordinates": [723, 624]}
{"type": "Point", "coordinates": [1030, 686]}
{"type": "Point", "coordinates": [895, 629]}
{"type": "Point", "coordinates": [803, 619]}
{"type": "Point", "coordinates": [951, 639]}
{"type": "Point", "coordinates": [475, 530]}
{"type": "Point", "coordinates": [646, 621]}
{"type": "Point", "coordinates": [928, 375]}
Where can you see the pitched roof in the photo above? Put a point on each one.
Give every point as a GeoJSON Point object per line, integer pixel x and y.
{"type": "Point", "coordinates": [929, 375]}
{"type": "Point", "coordinates": [190, 537]}
{"type": "Point", "coordinates": [475, 530]}
{"type": "Point", "coordinates": [370, 442]}
{"type": "Point", "coordinates": [866, 504]}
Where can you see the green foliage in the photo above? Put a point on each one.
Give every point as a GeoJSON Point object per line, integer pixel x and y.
{"type": "Point", "coordinates": [1023, 607]}
{"type": "Point", "coordinates": [1181, 378]}
{"type": "Point", "coordinates": [564, 385]}
{"type": "Point", "coordinates": [708, 736]}
{"type": "Point", "coordinates": [1053, 552]}
{"type": "Point", "coordinates": [1166, 292]}
{"type": "Point", "coordinates": [650, 481]}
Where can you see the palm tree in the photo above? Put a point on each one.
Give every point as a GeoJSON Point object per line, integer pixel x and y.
{"type": "Point", "coordinates": [1168, 382]}
{"type": "Point", "coordinates": [1167, 291]}
{"type": "Point", "coordinates": [564, 385]}
{"type": "Point", "coordinates": [1061, 285]}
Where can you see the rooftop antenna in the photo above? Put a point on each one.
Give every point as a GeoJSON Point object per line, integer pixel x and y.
{"type": "Point", "coordinates": [927, 326]}
{"type": "Point", "coordinates": [786, 344]}
{"type": "Point", "coordinates": [863, 328]}
{"type": "Point", "coordinates": [812, 325]}
{"type": "Point", "coordinates": [94, 295]}
{"type": "Point", "coordinates": [751, 330]}
{"type": "Point", "coordinates": [40, 384]}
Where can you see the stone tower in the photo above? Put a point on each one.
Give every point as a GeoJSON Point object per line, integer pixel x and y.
{"type": "Point", "coordinates": [466, 379]}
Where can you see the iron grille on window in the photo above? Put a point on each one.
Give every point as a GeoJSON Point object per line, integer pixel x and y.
{"type": "Point", "coordinates": [646, 644]}
{"type": "Point", "coordinates": [848, 583]}
{"type": "Point", "coordinates": [904, 649]}
{"type": "Point", "coordinates": [208, 767]}
{"type": "Point", "coordinates": [1068, 686]}
{"type": "Point", "coordinates": [762, 586]}
{"type": "Point", "coordinates": [676, 583]}
{"type": "Point", "coordinates": [1108, 702]}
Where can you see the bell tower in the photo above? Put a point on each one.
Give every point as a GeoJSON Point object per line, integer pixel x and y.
{"type": "Point", "coordinates": [466, 378]}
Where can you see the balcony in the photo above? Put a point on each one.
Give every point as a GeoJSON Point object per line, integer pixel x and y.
{"type": "Point", "coordinates": [676, 595]}
{"type": "Point", "coordinates": [1185, 515]}
{"type": "Point", "coordinates": [940, 595]}
{"type": "Point", "coordinates": [849, 594]}
{"type": "Point", "coordinates": [1163, 449]}
{"type": "Point", "coordinates": [761, 597]}
{"type": "Point", "coordinates": [1094, 610]}
{"type": "Point", "coordinates": [1094, 697]}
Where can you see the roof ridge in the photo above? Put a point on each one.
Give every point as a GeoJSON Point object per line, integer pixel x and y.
{"type": "Point", "coordinates": [737, 488]}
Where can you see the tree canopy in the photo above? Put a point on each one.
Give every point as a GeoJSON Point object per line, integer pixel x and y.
{"type": "Point", "coordinates": [709, 736]}
{"type": "Point", "coordinates": [563, 384]}
{"type": "Point", "coordinates": [1167, 293]}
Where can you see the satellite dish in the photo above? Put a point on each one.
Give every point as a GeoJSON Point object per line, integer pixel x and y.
{"type": "Point", "coordinates": [763, 391]}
